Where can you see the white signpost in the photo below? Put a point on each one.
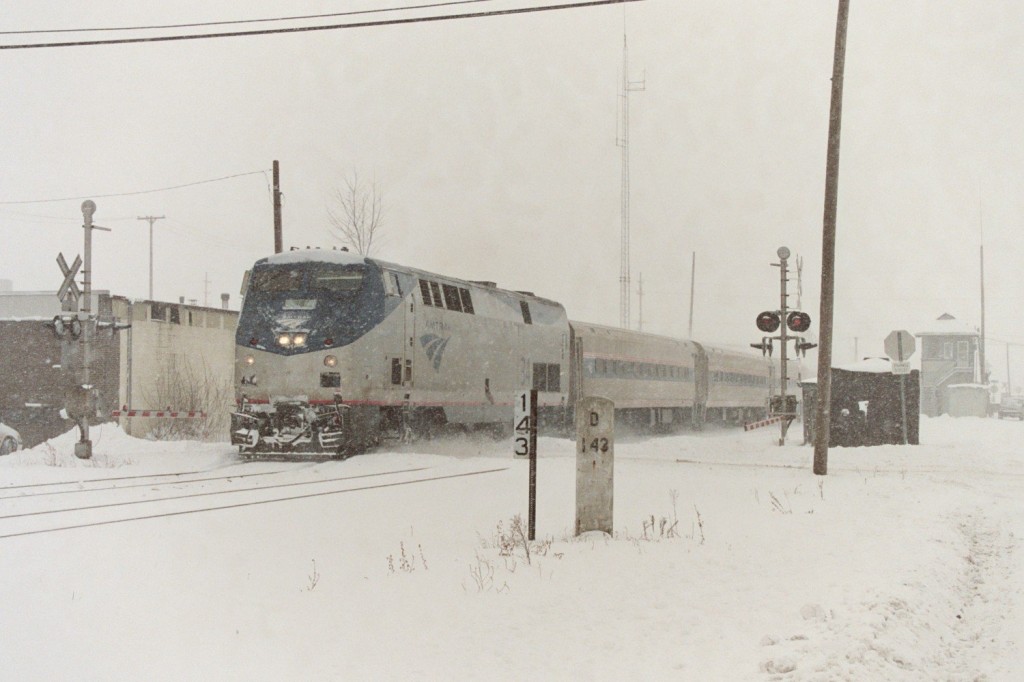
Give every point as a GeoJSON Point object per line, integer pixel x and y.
{"type": "Point", "coordinates": [899, 346]}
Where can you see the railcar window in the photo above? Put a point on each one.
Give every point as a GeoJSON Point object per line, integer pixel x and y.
{"type": "Point", "coordinates": [451, 298]}
{"type": "Point", "coordinates": [467, 301]}
{"type": "Point", "coordinates": [276, 279]}
{"type": "Point", "coordinates": [396, 370]}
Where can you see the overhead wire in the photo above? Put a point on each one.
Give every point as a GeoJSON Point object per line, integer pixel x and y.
{"type": "Point", "coordinates": [128, 194]}
{"type": "Point", "coordinates": [201, 24]}
{"type": "Point", "coordinates": [326, 27]}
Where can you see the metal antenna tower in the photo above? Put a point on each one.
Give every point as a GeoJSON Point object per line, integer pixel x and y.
{"type": "Point", "coordinates": [151, 219]}
{"type": "Point", "coordinates": [624, 279]}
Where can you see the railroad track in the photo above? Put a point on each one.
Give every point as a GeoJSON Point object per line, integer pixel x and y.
{"type": "Point", "coordinates": [79, 485]}
{"type": "Point", "coordinates": [58, 526]}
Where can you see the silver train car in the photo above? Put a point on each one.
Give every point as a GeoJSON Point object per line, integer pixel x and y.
{"type": "Point", "coordinates": [335, 352]}
{"type": "Point", "coordinates": [661, 383]}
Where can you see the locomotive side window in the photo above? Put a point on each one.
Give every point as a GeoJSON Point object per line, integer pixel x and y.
{"type": "Point", "coordinates": [428, 298]}
{"type": "Point", "coordinates": [435, 289]}
{"type": "Point", "coordinates": [525, 307]}
{"type": "Point", "coordinates": [554, 377]}
{"type": "Point", "coordinates": [467, 302]}
{"type": "Point", "coordinates": [451, 298]}
{"type": "Point", "coordinates": [392, 287]}
{"type": "Point", "coordinates": [547, 376]}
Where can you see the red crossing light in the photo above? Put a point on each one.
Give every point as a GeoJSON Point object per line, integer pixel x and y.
{"type": "Point", "coordinates": [768, 321]}
{"type": "Point", "coordinates": [798, 322]}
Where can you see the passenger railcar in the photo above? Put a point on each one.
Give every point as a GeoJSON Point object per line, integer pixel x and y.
{"type": "Point", "coordinates": [335, 351]}
{"type": "Point", "coordinates": [660, 382]}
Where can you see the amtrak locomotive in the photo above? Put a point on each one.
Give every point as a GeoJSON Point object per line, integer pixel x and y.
{"type": "Point", "coordinates": [336, 351]}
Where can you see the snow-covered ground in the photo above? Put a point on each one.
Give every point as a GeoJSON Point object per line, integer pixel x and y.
{"type": "Point", "coordinates": [730, 561]}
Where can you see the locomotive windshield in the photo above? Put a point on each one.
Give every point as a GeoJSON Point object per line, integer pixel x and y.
{"type": "Point", "coordinates": [320, 277]}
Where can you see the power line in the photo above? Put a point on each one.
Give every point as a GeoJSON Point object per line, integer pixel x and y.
{"type": "Point", "coordinates": [242, 21]}
{"type": "Point", "coordinates": [128, 194]}
{"type": "Point", "coordinates": [329, 27]}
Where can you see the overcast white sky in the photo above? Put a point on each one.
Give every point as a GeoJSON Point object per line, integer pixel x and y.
{"type": "Point", "coordinates": [494, 141]}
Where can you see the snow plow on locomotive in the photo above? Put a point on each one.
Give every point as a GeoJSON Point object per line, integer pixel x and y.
{"type": "Point", "coordinates": [337, 352]}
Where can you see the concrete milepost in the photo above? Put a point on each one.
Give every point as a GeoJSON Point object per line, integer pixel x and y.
{"type": "Point", "coordinates": [595, 460]}
{"type": "Point", "coordinates": [899, 346]}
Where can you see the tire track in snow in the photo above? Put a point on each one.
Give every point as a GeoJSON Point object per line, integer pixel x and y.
{"type": "Point", "coordinates": [946, 623]}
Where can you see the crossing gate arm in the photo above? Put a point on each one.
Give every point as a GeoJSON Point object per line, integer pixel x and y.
{"type": "Point", "coordinates": [750, 426]}
{"type": "Point", "coordinates": [158, 413]}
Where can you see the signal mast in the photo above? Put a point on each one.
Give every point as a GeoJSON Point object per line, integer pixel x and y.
{"type": "Point", "coordinates": [783, 406]}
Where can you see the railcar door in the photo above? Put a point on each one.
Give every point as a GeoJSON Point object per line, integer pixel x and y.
{"type": "Point", "coordinates": [398, 357]}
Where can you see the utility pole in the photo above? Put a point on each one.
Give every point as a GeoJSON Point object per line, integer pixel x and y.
{"type": "Point", "coordinates": [206, 288]}
{"type": "Point", "coordinates": [828, 247]}
{"type": "Point", "coordinates": [278, 237]}
{"type": "Point", "coordinates": [1009, 384]}
{"type": "Point", "coordinates": [693, 270]}
{"type": "Point", "coordinates": [981, 345]}
{"type": "Point", "coordinates": [624, 278]}
{"type": "Point", "coordinates": [151, 219]}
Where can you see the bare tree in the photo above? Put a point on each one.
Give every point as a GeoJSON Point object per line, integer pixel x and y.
{"type": "Point", "coordinates": [190, 385]}
{"type": "Point", "coordinates": [357, 214]}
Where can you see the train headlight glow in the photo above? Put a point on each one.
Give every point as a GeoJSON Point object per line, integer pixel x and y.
{"type": "Point", "coordinates": [330, 361]}
{"type": "Point", "coordinates": [249, 360]}
{"type": "Point", "coordinates": [284, 339]}
{"type": "Point", "coordinates": [299, 340]}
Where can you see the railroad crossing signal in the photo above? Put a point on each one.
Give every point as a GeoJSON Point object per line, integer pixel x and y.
{"type": "Point", "coordinates": [69, 285]}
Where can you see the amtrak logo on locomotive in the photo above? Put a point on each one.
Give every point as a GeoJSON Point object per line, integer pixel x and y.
{"type": "Point", "coordinates": [434, 346]}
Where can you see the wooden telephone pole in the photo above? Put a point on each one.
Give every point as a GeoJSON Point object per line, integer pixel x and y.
{"type": "Point", "coordinates": [278, 237]}
{"type": "Point", "coordinates": [828, 248]}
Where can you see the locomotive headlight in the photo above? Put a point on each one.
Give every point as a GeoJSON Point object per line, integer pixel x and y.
{"type": "Point", "coordinates": [331, 361]}
{"type": "Point", "coordinates": [284, 340]}
{"type": "Point", "coordinates": [299, 340]}
{"type": "Point", "coordinates": [249, 360]}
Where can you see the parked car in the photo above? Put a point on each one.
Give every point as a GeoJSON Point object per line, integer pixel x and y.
{"type": "Point", "coordinates": [10, 440]}
{"type": "Point", "coordinates": [1011, 406]}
